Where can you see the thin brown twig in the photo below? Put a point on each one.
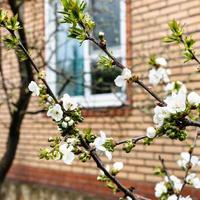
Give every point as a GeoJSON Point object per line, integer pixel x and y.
{"type": "Point", "coordinates": [134, 140]}
{"type": "Point", "coordinates": [164, 168]}
{"type": "Point", "coordinates": [191, 150]}
{"type": "Point", "coordinates": [121, 66]}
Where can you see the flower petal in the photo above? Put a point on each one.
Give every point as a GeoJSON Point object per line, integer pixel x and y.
{"type": "Point", "coordinates": [119, 81]}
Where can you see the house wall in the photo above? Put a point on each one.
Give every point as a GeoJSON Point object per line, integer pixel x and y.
{"type": "Point", "coordinates": [146, 25]}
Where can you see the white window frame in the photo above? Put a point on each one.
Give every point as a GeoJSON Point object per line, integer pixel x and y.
{"type": "Point", "coordinates": [88, 100]}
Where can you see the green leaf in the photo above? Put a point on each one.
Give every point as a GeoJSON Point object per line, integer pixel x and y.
{"type": "Point", "coordinates": [12, 23]}
{"type": "Point", "coordinates": [152, 60]}
{"type": "Point", "coordinates": [104, 62]}
{"type": "Point", "coordinates": [10, 42]}
{"type": "Point", "coordinates": [21, 55]}
{"type": "Point", "coordinates": [188, 55]}
{"type": "Point", "coordinates": [176, 28]}
{"type": "Point", "coordinates": [172, 38]}
{"type": "Point", "coordinates": [128, 146]}
{"type": "Point", "coordinates": [3, 15]}
{"type": "Point", "coordinates": [189, 42]}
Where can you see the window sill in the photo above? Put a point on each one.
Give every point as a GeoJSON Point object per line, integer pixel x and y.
{"type": "Point", "coordinates": [101, 100]}
{"type": "Point", "coordinates": [123, 110]}
{"type": "Point", "coordinates": [104, 105]}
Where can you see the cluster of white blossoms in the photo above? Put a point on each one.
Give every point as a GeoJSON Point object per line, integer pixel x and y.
{"type": "Point", "coordinates": [176, 102]}
{"type": "Point", "coordinates": [56, 111]}
{"type": "Point", "coordinates": [121, 80]}
{"type": "Point", "coordinates": [159, 74]}
{"type": "Point", "coordinates": [161, 187]}
{"type": "Point", "coordinates": [60, 116]}
{"type": "Point", "coordinates": [193, 180]}
{"type": "Point", "coordinates": [99, 143]}
{"type": "Point", "coordinates": [186, 159]}
{"type": "Point", "coordinates": [62, 113]}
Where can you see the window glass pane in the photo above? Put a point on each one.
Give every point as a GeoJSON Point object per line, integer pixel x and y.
{"type": "Point", "coordinates": [106, 14]}
{"type": "Point", "coordinates": [103, 80]}
{"type": "Point", "coordinates": [69, 53]}
{"type": "Point", "coordinates": [69, 60]}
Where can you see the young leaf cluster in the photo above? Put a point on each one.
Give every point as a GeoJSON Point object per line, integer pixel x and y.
{"type": "Point", "coordinates": [178, 36]}
{"type": "Point", "coordinates": [11, 41]}
{"type": "Point", "coordinates": [74, 14]}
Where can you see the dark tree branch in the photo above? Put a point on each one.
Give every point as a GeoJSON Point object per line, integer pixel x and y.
{"type": "Point", "coordinates": [100, 165]}
{"type": "Point", "coordinates": [4, 83]}
{"type": "Point", "coordinates": [26, 75]}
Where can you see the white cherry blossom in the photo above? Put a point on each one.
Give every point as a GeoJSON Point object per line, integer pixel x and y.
{"type": "Point", "coordinates": [160, 188]}
{"type": "Point", "coordinates": [175, 87]}
{"type": "Point", "coordinates": [165, 74]}
{"type": "Point", "coordinates": [193, 180]}
{"type": "Point", "coordinates": [177, 184]}
{"type": "Point", "coordinates": [185, 198]}
{"type": "Point", "coordinates": [159, 75]}
{"type": "Point", "coordinates": [151, 132]}
{"type": "Point", "coordinates": [55, 112]}
{"type": "Point", "coordinates": [69, 103]}
{"type": "Point", "coordinates": [172, 197]}
{"type": "Point", "coordinates": [154, 77]}
{"type": "Point", "coordinates": [176, 103]}
{"type": "Point", "coordinates": [185, 159]}
{"type": "Point", "coordinates": [68, 155]}
{"type": "Point", "coordinates": [118, 166]}
{"type": "Point", "coordinates": [193, 98]}
{"type": "Point", "coordinates": [196, 183]}
{"type": "Point", "coordinates": [160, 113]}
{"type": "Point", "coordinates": [33, 87]}
{"type": "Point", "coordinates": [161, 61]}
{"type": "Point", "coordinates": [121, 80]}
{"type": "Point", "coordinates": [99, 145]}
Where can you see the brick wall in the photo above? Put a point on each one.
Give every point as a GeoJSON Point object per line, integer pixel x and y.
{"type": "Point", "coordinates": [146, 25]}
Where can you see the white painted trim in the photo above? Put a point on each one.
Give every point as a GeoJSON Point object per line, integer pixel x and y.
{"type": "Point", "coordinates": [50, 46]}
{"type": "Point", "coordinates": [89, 100]}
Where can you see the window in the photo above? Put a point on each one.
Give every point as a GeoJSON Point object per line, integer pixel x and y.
{"type": "Point", "coordinates": [75, 65]}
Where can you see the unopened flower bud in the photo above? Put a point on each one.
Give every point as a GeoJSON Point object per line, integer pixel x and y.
{"type": "Point", "coordinates": [67, 119]}
{"type": "Point", "coordinates": [71, 122]}
{"type": "Point", "coordinates": [51, 139]}
{"type": "Point", "coordinates": [64, 124]}
{"type": "Point", "coordinates": [101, 35]}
